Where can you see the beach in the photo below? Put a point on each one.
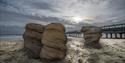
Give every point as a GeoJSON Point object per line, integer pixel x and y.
{"type": "Point", "coordinates": [112, 51]}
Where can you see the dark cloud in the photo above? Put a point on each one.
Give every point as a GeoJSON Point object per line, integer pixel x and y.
{"type": "Point", "coordinates": [43, 6]}
{"type": "Point", "coordinates": [3, 2]}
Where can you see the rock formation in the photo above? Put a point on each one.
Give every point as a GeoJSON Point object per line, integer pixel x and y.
{"type": "Point", "coordinates": [32, 39]}
{"type": "Point", "coordinates": [92, 36]}
{"type": "Point", "coordinates": [54, 42]}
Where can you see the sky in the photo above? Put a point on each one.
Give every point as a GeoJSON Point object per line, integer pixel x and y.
{"type": "Point", "coordinates": [15, 14]}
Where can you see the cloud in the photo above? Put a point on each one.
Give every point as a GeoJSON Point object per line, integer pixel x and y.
{"type": "Point", "coordinates": [19, 12]}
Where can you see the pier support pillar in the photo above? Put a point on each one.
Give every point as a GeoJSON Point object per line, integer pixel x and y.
{"type": "Point", "coordinates": [106, 35]}
{"type": "Point", "coordinates": [116, 35]}
{"type": "Point", "coordinates": [110, 35]}
{"type": "Point", "coordinates": [120, 35]}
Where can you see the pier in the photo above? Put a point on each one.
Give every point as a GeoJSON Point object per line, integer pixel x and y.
{"type": "Point", "coordinates": [114, 31]}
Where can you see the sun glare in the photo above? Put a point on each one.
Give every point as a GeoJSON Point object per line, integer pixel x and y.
{"type": "Point", "coordinates": [77, 19]}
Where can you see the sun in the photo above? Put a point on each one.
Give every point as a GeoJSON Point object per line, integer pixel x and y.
{"type": "Point", "coordinates": [77, 19]}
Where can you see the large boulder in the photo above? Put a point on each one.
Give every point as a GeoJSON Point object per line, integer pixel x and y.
{"type": "Point", "coordinates": [54, 40]}
{"type": "Point", "coordinates": [32, 39]}
{"type": "Point", "coordinates": [92, 35]}
{"type": "Point", "coordinates": [54, 36]}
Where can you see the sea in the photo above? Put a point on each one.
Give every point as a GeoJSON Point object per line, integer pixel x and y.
{"type": "Point", "coordinates": [11, 37]}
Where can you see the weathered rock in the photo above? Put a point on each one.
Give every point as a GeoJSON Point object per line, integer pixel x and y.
{"type": "Point", "coordinates": [54, 40]}
{"type": "Point", "coordinates": [92, 35]}
{"type": "Point", "coordinates": [32, 39]}
{"type": "Point", "coordinates": [51, 53]}
{"type": "Point", "coordinates": [54, 36]}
